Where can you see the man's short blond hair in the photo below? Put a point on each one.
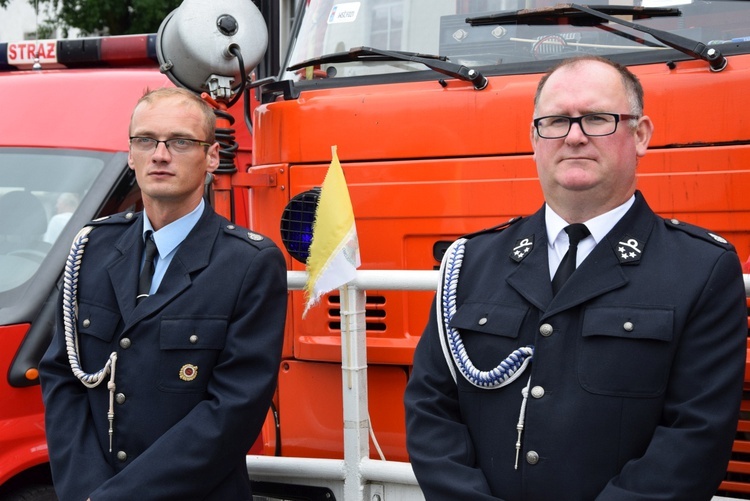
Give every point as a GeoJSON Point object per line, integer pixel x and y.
{"type": "Point", "coordinates": [209, 118]}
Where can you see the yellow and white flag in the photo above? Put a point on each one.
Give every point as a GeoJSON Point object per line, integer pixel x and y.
{"type": "Point", "coordinates": [334, 251]}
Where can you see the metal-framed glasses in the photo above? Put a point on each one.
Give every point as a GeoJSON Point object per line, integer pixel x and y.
{"type": "Point", "coordinates": [591, 124]}
{"type": "Point", "coordinates": [174, 145]}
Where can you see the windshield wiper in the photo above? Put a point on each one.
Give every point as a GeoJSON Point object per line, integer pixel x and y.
{"type": "Point", "coordinates": [440, 64]}
{"type": "Point", "coordinates": [581, 15]}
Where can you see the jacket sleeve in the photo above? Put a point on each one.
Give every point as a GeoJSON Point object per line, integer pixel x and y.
{"type": "Point", "coordinates": [197, 453]}
{"type": "Point", "coordinates": [73, 447]}
{"type": "Point", "coordinates": [440, 448]}
{"type": "Point", "coordinates": [688, 454]}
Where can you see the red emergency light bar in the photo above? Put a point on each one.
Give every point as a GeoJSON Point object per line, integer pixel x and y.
{"type": "Point", "coordinates": [126, 50]}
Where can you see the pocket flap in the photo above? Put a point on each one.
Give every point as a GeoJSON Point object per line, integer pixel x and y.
{"type": "Point", "coordinates": [97, 321]}
{"type": "Point", "coordinates": [634, 322]}
{"type": "Point", "coordinates": [192, 333]}
{"type": "Point", "coordinates": [499, 319]}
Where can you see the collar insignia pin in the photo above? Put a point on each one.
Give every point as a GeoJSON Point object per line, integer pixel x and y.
{"type": "Point", "coordinates": [522, 248]}
{"type": "Point", "coordinates": [629, 250]}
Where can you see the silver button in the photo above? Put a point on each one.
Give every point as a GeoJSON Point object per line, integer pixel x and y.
{"type": "Point", "coordinates": [129, 215]}
{"type": "Point", "coordinates": [86, 322]}
{"type": "Point", "coordinates": [546, 330]}
{"type": "Point", "coordinates": [532, 457]}
{"type": "Point", "coordinates": [125, 343]}
{"type": "Point", "coordinates": [120, 398]}
{"type": "Point", "coordinates": [231, 226]}
{"type": "Point", "coordinates": [122, 456]}
{"type": "Point", "coordinates": [628, 326]}
{"type": "Point", "coordinates": [193, 339]}
{"type": "Point", "coordinates": [537, 392]}
{"type": "Point", "coordinates": [482, 321]}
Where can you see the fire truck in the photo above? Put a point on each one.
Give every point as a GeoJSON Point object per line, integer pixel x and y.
{"type": "Point", "coordinates": [429, 104]}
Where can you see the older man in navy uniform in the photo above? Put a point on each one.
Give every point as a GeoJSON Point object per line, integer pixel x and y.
{"type": "Point", "coordinates": [159, 393]}
{"type": "Point", "coordinates": [623, 379]}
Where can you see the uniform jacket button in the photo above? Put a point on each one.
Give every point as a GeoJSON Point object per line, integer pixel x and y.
{"type": "Point", "coordinates": [86, 322]}
{"type": "Point", "coordinates": [628, 326]}
{"type": "Point", "coordinates": [537, 392]}
{"type": "Point", "coordinates": [120, 398]}
{"type": "Point", "coordinates": [193, 339]}
{"type": "Point", "coordinates": [125, 343]}
{"type": "Point", "coordinates": [532, 457]}
{"type": "Point", "coordinates": [482, 321]}
{"type": "Point", "coordinates": [122, 456]}
{"type": "Point", "coordinates": [546, 330]}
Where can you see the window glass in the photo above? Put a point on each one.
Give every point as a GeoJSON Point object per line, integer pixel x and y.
{"type": "Point", "coordinates": [39, 193]}
{"type": "Point", "coordinates": [439, 28]}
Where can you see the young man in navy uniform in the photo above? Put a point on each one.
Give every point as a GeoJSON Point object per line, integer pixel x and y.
{"type": "Point", "coordinates": [159, 393]}
{"type": "Point", "coordinates": [622, 383]}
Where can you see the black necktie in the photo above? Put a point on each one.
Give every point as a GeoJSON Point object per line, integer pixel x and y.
{"type": "Point", "coordinates": [147, 273]}
{"type": "Point", "coordinates": [576, 232]}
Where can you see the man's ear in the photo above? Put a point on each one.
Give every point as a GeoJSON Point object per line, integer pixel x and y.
{"type": "Point", "coordinates": [643, 134]}
{"type": "Point", "coordinates": [213, 157]}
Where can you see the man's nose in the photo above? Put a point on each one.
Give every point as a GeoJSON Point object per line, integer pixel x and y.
{"type": "Point", "coordinates": [575, 134]}
{"type": "Point", "coordinates": [161, 150]}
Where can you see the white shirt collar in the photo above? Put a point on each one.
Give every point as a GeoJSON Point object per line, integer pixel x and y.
{"type": "Point", "coordinates": [598, 226]}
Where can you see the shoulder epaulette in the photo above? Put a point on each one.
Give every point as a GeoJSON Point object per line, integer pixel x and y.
{"type": "Point", "coordinates": [493, 229]}
{"type": "Point", "coordinates": [699, 232]}
{"type": "Point", "coordinates": [246, 235]}
{"type": "Point", "coordinates": [119, 218]}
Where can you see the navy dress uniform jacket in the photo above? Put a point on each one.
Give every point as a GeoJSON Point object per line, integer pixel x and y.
{"type": "Point", "coordinates": [217, 319]}
{"type": "Point", "coordinates": [636, 376]}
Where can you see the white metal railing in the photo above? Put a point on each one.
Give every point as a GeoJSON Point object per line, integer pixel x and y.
{"type": "Point", "coordinates": [357, 477]}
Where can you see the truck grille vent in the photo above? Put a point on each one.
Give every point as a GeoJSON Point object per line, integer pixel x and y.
{"type": "Point", "coordinates": [375, 314]}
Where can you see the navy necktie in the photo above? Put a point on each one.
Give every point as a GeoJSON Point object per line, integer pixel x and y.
{"type": "Point", "coordinates": [147, 273]}
{"type": "Point", "coordinates": [576, 232]}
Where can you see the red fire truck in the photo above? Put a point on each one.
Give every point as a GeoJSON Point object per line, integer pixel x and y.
{"type": "Point", "coordinates": [429, 104]}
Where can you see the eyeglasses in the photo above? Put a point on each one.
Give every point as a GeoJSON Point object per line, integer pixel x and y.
{"type": "Point", "coordinates": [175, 145]}
{"type": "Point", "coordinates": [592, 124]}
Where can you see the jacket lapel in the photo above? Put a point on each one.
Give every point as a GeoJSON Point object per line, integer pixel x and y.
{"type": "Point", "coordinates": [601, 271]}
{"type": "Point", "coordinates": [124, 280]}
{"type": "Point", "coordinates": [192, 255]}
{"type": "Point", "coordinates": [531, 277]}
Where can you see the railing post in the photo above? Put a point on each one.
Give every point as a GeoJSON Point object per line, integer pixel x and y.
{"type": "Point", "coordinates": [354, 384]}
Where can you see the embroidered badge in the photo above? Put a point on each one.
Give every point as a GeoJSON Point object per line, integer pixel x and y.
{"type": "Point", "coordinates": [188, 372]}
{"type": "Point", "coordinates": [522, 248]}
{"type": "Point", "coordinates": [629, 250]}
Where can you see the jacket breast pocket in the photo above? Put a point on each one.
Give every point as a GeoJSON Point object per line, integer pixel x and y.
{"type": "Point", "coordinates": [189, 348]}
{"type": "Point", "coordinates": [96, 329]}
{"type": "Point", "coordinates": [489, 332]}
{"type": "Point", "coordinates": [626, 350]}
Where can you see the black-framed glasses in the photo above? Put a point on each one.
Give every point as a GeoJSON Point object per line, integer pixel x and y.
{"type": "Point", "coordinates": [174, 145]}
{"type": "Point", "coordinates": [592, 124]}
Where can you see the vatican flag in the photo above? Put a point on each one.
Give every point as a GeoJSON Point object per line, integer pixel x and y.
{"type": "Point", "coordinates": [334, 251]}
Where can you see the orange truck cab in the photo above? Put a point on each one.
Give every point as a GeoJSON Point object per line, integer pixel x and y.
{"type": "Point", "coordinates": [429, 103]}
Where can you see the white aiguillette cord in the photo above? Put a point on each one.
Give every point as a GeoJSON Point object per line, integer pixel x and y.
{"type": "Point", "coordinates": [454, 351]}
{"type": "Point", "coordinates": [70, 317]}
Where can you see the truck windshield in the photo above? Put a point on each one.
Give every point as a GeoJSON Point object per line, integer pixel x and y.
{"type": "Point", "coordinates": [508, 32]}
{"type": "Point", "coordinates": [40, 190]}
